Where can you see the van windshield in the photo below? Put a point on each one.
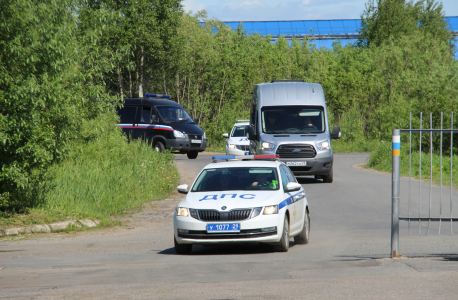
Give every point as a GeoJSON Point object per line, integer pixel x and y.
{"type": "Point", "coordinates": [293, 119]}
{"type": "Point", "coordinates": [174, 114]}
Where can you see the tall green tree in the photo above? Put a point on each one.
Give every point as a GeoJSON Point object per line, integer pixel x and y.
{"type": "Point", "coordinates": [137, 40]}
{"type": "Point", "coordinates": [44, 93]}
{"type": "Point", "coordinates": [385, 20]}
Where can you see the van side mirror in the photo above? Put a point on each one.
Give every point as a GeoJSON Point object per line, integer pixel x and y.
{"type": "Point", "coordinates": [196, 120]}
{"type": "Point", "coordinates": [251, 135]}
{"type": "Point", "coordinates": [153, 119]}
{"type": "Point", "coordinates": [336, 133]}
{"type": "Point", "coordinates": [182, 189]}
{"type": "Point", "coordinates": [225, 135]}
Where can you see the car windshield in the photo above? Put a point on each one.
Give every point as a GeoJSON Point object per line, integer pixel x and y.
{"type": "Point", "coordinates": [174, 114]}
{"type": "Point", "coordinates": [241, 178]}
{"type": "Point", "coordinates": [293, 119]}
{"type": "Point", "coordinates": [239, 131]}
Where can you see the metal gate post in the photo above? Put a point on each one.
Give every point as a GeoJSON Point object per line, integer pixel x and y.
{"type": "Point", "coordinates": [395, 182]}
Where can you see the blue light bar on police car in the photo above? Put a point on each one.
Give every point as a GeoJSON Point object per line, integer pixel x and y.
{"type": "Point", "coordinates": [246, 156]}
{"type": "Point", "coordinates": [156, 96]}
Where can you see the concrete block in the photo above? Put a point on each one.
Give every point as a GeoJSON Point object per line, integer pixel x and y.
{"type": "Point", "coordinates": [14, 231]}
{"type": "Point", "coordinates": [88, 223]}
{"type": "Point", "coordinates": [41, 228]}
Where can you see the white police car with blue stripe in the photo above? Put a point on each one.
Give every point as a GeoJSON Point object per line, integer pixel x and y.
{"type": "Point", "coordinates": [237, 142]}
{"type": "Point", "coordinates": [242, 199]}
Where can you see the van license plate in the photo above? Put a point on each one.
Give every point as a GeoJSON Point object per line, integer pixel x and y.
{"type": "Point", "coordinates": [196, 141]}
{"type": "Point", "coordinates": [296, 163]}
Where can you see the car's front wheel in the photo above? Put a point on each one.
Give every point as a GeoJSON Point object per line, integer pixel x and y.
{"type": "Point", "coordinates": [303, 237]}
{"type": "Point", "coordinates": [283, 244]}
{"type": "Point", "coordinates": [182, 248]}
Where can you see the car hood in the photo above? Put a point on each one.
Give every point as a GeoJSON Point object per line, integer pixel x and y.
{"type": "Point", "coordinates": [231, 199]}
{"type": "Point", "coordinates": [238, 140]}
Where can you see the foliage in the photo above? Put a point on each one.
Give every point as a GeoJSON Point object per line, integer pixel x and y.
{"type": "Point", "coordinates": [388, 20]}
{"type": "Point", "coordinates": [134, 41]}
{"type": "Point", "coordinates": [44, 94]}
{"type": "Point", "coordinates": [381, 159]}
{"type": "Point", "coordinates": [108, 176]}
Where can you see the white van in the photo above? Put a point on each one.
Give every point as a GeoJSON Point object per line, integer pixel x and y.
{"type": "Point", "coordinates": [289, 118]}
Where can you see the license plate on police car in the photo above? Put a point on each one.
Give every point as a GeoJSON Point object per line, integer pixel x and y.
{"type": "Point", "coordinates": [232, 227]}
{"type": "Point", "coordinates": [296, 163]}
{"type": "Point", "coordinates": [196, 141]}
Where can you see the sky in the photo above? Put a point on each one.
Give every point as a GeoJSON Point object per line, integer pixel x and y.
{"type": "Point", "coordinates": [277, 10]}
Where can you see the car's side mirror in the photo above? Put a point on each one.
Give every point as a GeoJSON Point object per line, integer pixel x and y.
{"type": "Point", "coordinates": [251, 135]}
{"type": "Point", "coordinates": [153, 119]}
{"type": "Point", "coordinates": [225, 135]}
{"type": "Point", "coordinates": [196, 120]}
{"type": "Point", "coordinates": [292, 187]}
{"type": "Point", "coordinates": [336, 133]}
{"type": "Point", "coordinates": [182, 189]}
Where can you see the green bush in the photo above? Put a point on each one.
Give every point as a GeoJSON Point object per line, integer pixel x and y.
{"type": "Point", "coordinates": [381, 159]}
{"type": "Point", "coordinates": [108, 176]}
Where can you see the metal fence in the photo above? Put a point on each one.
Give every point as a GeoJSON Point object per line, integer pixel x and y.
{"type": "Point", "coordinates": [441, 215]}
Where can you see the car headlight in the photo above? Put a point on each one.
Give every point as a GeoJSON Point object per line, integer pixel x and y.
{"type": "Point", "coordinates": [204, 136]}
{"type": "Point", "coordinates": [182, 211]}
{"type": "Point", "coordinates": [324, 145]}
{"type": "Point", "coordinates": [267, 146]}
{"type": "Point", "coordinates": [270, 210]}
{"type": "Point", "coordinates": [178, 134]}
{"type": "Point", "coordinates": [231, 146]}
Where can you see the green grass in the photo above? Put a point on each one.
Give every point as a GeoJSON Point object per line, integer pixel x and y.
{"type": "Point", "coordinates": [99, 179]}
{"type": "Point", "coordinates": [340, 146]}
{"type": "Point", "coordinates": [381, 159]}
{"type": "Point", "coordinates": [216, 147]}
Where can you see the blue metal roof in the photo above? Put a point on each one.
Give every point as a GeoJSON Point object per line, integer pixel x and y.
{"type": "Point", "coordinates": [324, 32]}
{"type": "Point", "coordinates": [320, 29]}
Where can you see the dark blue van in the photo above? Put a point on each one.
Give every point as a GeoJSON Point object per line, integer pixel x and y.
{"type": "Point", "coordinates": [163, 123]}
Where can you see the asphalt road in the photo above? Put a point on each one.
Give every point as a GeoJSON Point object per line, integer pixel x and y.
{"type": "Point", "coordinates": [347, 257]}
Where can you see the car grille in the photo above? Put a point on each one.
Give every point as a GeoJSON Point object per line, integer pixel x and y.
{"type": "Point", "coordinates": [214, 215]}
{"type": "Point", "coordinates": [243, 234]}
{"type": "Point", "coordinates": [286, 151]}
{"type": "Point", "coordinates": [195, 137]}
{"type": "Point", "coordinates": [243, 147]}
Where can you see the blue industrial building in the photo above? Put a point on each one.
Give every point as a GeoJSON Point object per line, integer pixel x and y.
{"type": "Point", "coordinates": [324, 32]}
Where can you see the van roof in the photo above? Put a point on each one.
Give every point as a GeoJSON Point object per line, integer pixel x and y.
{"type": "Point", "coordinates": [150, 101]}
{"type": "Point", "coordinates": [290, 93]}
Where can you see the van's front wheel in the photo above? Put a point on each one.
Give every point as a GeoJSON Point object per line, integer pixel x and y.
{"type": "Point", "coordinates": [192, 154]}
{"type": "Point", "coordinates": [330, 177]}
{"type": "Point", "coordinates": [159, 147]}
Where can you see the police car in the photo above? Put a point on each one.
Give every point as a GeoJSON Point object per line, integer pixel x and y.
{"type": "Point", "coordinates": [237, 142]}
{"type": "Point", "coordinates": [242, 199]}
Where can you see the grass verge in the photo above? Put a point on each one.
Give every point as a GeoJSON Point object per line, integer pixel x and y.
{"type": "Point", "coordinates": [381, 159]}
{"type": "Point", "coordinates": [99, 179]}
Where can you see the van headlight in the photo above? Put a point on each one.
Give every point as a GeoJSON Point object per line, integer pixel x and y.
{"type": "Point", "coordinates": [178, 134]}
{"type": "Point", "coordinates": [231, 146]}
{"type": "Point", "coordinates": [267, 146]}
{"type": "Point", "coordinates": [324, 145]}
